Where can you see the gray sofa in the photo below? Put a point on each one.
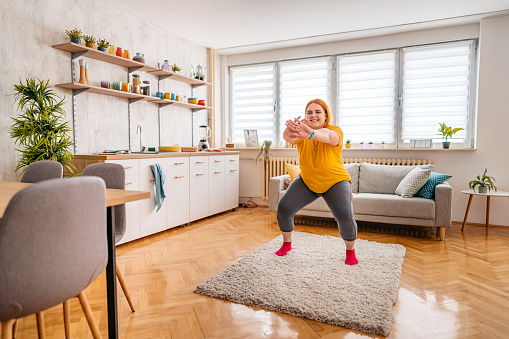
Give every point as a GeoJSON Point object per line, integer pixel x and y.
{"type": "Point", "coordinates": [374, 198]}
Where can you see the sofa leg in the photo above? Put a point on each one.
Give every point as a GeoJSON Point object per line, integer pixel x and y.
{"type": "Point", "coordinates": [442, 233]}
{"type": "Point", "coordinates": [274, 217]}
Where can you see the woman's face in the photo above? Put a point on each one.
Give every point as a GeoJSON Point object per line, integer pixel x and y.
{"type": "Point", "coordinates": [316, 116]}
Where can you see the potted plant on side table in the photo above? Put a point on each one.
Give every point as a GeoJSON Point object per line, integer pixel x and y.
{"type": "Point", "coordinates": [485, 182]}
{"type": "Point", "coordinates": [447, 132]}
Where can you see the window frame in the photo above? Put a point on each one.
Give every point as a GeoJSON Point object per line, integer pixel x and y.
{"type": "Point", "coordinates": [278, 141]}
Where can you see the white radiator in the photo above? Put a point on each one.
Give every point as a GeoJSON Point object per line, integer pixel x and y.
{"type": "Point", "coordinates": [276, 166]}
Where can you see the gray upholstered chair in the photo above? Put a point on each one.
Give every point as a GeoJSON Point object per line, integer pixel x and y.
{"type": "Point", "coordinates": [42, 170]}
{"type": "Point", "coordinates": [53, 244]}
{"type": "Point", "coordinates": [114, 177]}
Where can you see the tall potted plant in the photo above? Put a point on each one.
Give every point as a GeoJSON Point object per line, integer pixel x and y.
{"type": "Point", "coordinates": [41, 129]}
{"type": "Point", "coordinates": [447, 132]}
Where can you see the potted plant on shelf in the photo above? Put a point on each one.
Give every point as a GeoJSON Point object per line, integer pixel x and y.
{"type": "Point", "coordinates": [89, 41]}
{"type": "Point", "coordinates": [41, 130]}
{"type": "Point", "coordinates": [175, 68]}
{"type": "Point", "coordinates": [348, 144]}
{"type": "Point", "coordinates": [74, 35]}
{"type": "Point", "coordinates": [102, 45]}
{"type": "Point", "coordinates": [485, 182]}
{"type": "Point", "coordinates": [361, 144]}
{"type": "Point", "coordinates": [447, 132]}
{"type": "Point", "coordinates": [370, 145]}
{"type": "Point", "coordinates": [382, 145]}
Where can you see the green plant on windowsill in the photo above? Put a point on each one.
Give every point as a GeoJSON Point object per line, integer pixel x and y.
{"type": "Point", "coordinates": [265, 149]}
{"type": "Point", "coordinates": [447, 132]}
{"type": "Point", "coordinates": [485, 182]}
{"type": "Point", "coordinates": [348, 144]}
{"type": "Point", "coordinates": [41, 130]}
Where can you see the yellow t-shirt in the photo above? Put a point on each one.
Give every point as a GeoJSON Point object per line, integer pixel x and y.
{"type": "Point", "coordinates": [322, 168]}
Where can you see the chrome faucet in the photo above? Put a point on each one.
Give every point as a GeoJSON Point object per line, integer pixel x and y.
{"type": "Point", "coordinates": [138, 131]}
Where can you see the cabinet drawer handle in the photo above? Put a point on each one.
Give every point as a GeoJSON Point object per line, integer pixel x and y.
{"type": "Point", "coordinates": [128, 183]}
{"type": "Point", "coordinates": [233, 170]}
{"type": "Point", "coordinates": [200, 162]}
{"type": "Point", "coordinates": [152, 180]}
{"type": "Point", "coordinates": [218, 160]}
{"type": "Point", "coordinates": [233, 159]}
{"type": "Point", "coordinates": [180, 177]}
{"type": "Point", "coordinates": [179, 163]}
{"type": "Point", "coordinates": [200, 173]}
{"type": "Point", "coordinates": [218, 172]}
{"type": "Point", "coordinates": [127, 167]}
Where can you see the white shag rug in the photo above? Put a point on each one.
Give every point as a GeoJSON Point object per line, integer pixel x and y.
{"type": "Point", "coordinates": [313, 282]}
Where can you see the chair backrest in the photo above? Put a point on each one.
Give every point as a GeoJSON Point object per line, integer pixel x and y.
{"type": "Point", "coordinates": [114, 177]}
{"type": "Point", "coordinates": [52, 244]}
{"type": "Point", "coordinates": [42, 170]}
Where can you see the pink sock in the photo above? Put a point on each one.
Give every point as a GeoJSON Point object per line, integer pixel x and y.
{"type": "Point", "coordinates": [351, 259]}
{"type": "Point", "coordinates": [285, 248]}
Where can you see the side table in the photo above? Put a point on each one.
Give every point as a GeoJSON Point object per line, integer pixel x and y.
{"type": "Point", "coordinates": [488, 196]}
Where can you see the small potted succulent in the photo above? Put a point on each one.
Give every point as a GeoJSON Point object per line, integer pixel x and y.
{"type": "Point", "coordinates": [361, 144]}
{"type": "Point", "coordinates": [447, 132]}
{"type": "Point", "coordinates": [348, 144]}
{"type": "Point", "coordinates": [102, 45]}
{"type": "Point", "coordinates": [90, 41]}
{"type": "Point", "coordinates": [370, 144]}
{"type": "Point", "coordinates": [175, 68]}
{"type": "Point", "coordinates": [485, 182]}
{"type": "Point", "coordinates": [382, 145]}
{"type": "Point", "coordinates": [75, 35]}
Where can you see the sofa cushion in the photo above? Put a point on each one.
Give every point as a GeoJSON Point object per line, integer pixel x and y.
{"type": "Point", "coordinates": [383, 179]}
{"type": "Point", "coordinates": [393, 205]}
{"type": "Point", "coordinates": [428, 190]}
{"type": "Point", "coordinates": [293, 170]}
{"type": "Point", "coordinates": [353, 170]}
{"type": "Point", "coordinates": [413, 182]}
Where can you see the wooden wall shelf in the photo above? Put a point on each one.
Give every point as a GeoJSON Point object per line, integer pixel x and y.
{"type": "Point", "coordinates": [163, 74]}
{"type": "Point", "coordinates": [105, 91]}
{"type": "Point", "coordinates": [180, 104]}
{"type": "Point", "coordinates": [71, 47]}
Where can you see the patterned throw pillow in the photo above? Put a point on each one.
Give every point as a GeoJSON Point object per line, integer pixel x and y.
{"type": "Point", "coordinates": [413, 182]}
{"type": "Point", "coordinates": [428, 190]}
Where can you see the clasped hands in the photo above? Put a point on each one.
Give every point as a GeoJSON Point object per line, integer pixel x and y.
{"type": "Point", "coordinates": [298, 128]}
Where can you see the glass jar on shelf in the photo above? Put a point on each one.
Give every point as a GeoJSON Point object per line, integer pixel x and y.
{"type": "Point", "coordinates": [136, 84]}
{"type": "Point", "coordinates": [145, 88]}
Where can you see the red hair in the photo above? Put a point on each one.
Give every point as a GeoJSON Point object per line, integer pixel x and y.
{"type": "Point", "coordinates": [329, 118]}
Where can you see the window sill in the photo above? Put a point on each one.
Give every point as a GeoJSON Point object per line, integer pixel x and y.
{"type": "Point", "coordinates": [363, 149]}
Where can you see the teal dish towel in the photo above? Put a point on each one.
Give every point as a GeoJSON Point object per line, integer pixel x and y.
{"type": "Point", "coordinates": [160, 179]}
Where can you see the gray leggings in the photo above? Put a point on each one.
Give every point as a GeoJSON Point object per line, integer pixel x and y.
{"type": "Point", "coordinates": [338, 198]}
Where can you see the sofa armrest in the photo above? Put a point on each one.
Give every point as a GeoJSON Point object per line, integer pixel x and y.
{"type": "Point", "coordinates": [276, 185]}
{"type": "Point", "coordinates": [443, 205]}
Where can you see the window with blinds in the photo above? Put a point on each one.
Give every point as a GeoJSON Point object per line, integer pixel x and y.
{"type": "Point", "coordinates": [367, 97]}
{"type": "Point", "coordinates": [299, 82]}
{"type": "Point", "coordinates": [252, 101]}
{"type": "Point", "coordinates": [436, 88]}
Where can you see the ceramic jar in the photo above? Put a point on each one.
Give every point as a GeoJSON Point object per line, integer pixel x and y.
{"type": "Point", "coordinates": [139, 57]}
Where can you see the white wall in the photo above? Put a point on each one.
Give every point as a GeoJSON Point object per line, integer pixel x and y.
{"type": "Point", "coordinates": [30, 28]}
{"type": "Point", "coordinates": [493, 100]}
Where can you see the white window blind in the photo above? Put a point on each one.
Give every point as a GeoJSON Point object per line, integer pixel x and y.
{"type": "Point", "coordinates": [299, 82]}
{"type": "Point", "coordinates": [367, 96]}
{"type": "Point", "coordinates": [436, 88]}
{"type": "Point", "coordinates": [252, 101]}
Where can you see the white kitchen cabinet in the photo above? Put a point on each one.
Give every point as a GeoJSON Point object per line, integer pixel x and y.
{"type": "Point", "coordinates": [151, 219]}
{"type": "Point", "coordinates": [216, 184]}
{"type": "Point", "coordinates": [132, 182]}
{"type": "Point", "coordinates": [177, 191]}
{"type": "Point", "coordinates": [231, 182]}
{"type": "Point", "coordinates": [198, 187]}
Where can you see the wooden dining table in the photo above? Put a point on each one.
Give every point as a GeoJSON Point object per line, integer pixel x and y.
{"type": "Point", "coordinates": [114, 197]}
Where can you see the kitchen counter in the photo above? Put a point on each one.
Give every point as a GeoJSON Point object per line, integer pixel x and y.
{"type": "Point", "coordinates": [148, 155]}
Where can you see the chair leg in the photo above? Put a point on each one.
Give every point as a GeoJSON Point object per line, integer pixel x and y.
{"type": "Point", "coordinates": [67, 319]}
{"type": "Point", "coordinates": [124, 288]}
{"type": "Point", "coordinates": [40, 325]}
{"type": "Point", "coordinates": [88, 314]}
{"type": "Point", "coordinates": [7, 328]}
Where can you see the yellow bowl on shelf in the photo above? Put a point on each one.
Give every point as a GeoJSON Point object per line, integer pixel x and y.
{"type": "Point", "coordinates": [192, 101]}
{"type": "Point", "coordinates": [169, 148]}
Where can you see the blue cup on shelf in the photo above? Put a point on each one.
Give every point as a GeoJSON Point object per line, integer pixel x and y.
{"type": "Point", "coordinates": [173, 96]}
{"type": "Point", "coordinates": [159, 95]}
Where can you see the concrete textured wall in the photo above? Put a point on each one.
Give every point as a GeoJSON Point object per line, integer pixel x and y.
{"type": "Point", "coordinates": [30, 28]}
{"type": "Point", "coordinates": [464, 165]}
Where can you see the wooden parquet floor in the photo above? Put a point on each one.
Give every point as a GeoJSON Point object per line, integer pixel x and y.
{"type": "Point", "coordinates": [458, 288]}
